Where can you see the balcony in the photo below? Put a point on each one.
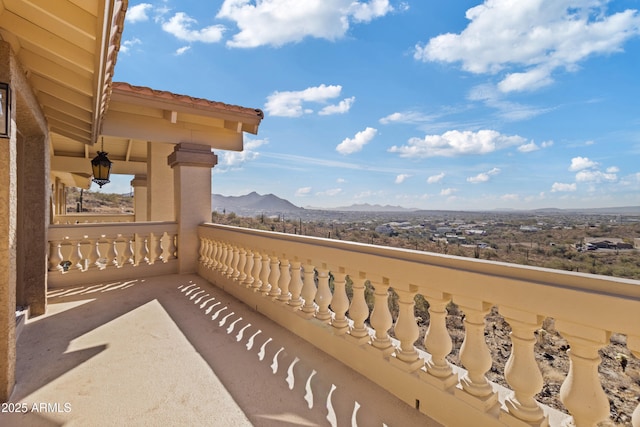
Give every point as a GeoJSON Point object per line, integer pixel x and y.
{"type": "Point", "coordinates": [238, 338]}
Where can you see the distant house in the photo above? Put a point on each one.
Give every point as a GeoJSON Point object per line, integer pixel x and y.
{"type": "Point", "coordinates": [528, 228]}
{"type": "Point", "coordinates": [386, 229]}
{"type": "Point", "coordinates": [607, 243]}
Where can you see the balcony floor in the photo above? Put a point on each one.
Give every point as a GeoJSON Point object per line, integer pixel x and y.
{"type": "Point", "coordinates": [175, 350]}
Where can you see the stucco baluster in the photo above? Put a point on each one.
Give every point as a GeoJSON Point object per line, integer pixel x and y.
{"type": "Point", "coordinates": [144, 250]}
{"type": "Point", "coordinates": [406, 331]}
{"type": "Point", "coordinates": [76, 255]}
{"type": "Point", "coordinates": [255, 273]}
{"type": "Point", "coordinates": [172, 247]}
{"type": "Point", "coordinates": [55, 256]}
{"type": "Point", "coordinates": [242, 261]}
{"type": "Point", "coordinates": [521, 371]}
{"type": "Point", "coordinates": [475, 355]}
{"type": "Point", "coordinates": [233, 272]}
{"type": "Point", "coordinates": [381, 319]}
{"type": "Point", "coordinates": [214, 252]}
{"type": "Point", "coordinates": [323, 295]}
{"type": "Point", "coordinates": [438, 343]}
{"type": "Point", "coordinates": [94, 254]}
{"type": "Point", "coordinates": [248, 280]}
{"type": "Point", "coordinates": [157, 247]}
{"type": "Point", "coordinates": [112, 253]}
{"type": "Point", "coordinates": [285, 280]}
{"type": "Point", "coordinates": [308, 289]}
{"type": "Point", "coordinates": [340, 302]}
{"type": "Point", "coordinates": [274, 277]}
{"type": "Point", "coordinates": [203, 250]}
{"type": "Point", "coordinates": [633, 343]}
{"type": "Point", "coordinates": [359, 310]}
{"type": "Point", "coordinates": [296, 284]}
{"type": "Point", "coordinates": [581, 392]}
{"type": "Point", "coordinates": [222, 260]}
{"type": "Point", "coordinates": [265, 270]}
{"type": "Point", "coordinates": [127, 256]}
{"type": "Point", "coordinates": [227, 256]}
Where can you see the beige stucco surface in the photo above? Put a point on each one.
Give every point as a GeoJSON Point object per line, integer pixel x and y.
{"type": "Point", "coordinates": [175, 350]}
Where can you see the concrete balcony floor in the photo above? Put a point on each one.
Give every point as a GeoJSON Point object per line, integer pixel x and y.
{"type": "Point", "coordinates": [175, 350]}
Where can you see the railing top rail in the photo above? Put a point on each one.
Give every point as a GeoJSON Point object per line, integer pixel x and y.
{"type": "Point", "coordinates": [78, 231]}
{"type": "Point", "coordinates": [542, 291]}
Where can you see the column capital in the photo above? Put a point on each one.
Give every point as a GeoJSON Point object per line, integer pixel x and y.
{"type": "Point", "coordinates": [139, 181]}
{"type": "Point", "coordinates": [189, 154]}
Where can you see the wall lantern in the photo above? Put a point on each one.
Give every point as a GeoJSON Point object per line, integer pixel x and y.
{"type": "Point", "coordinates": [5, 110]}
{"type": "Point", "coordinates": [101, 167]}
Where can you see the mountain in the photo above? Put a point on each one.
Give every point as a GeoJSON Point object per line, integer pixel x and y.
{"type": "Point", "coordinates": [252, 204]}
{"type": "Point", "coordinates": [366, 207]}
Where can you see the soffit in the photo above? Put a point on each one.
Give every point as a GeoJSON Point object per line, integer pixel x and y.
{"type": "Point", "coordinates": [68, 50]}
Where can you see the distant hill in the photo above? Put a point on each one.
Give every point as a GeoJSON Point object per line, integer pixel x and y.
{"type": "Point", "coordinates": [366, 207]}
{"type": "Point", "coordinates": [252, 204]}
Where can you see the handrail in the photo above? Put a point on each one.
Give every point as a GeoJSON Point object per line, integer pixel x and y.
{"type": "Point", "coordinates": [587, 309]}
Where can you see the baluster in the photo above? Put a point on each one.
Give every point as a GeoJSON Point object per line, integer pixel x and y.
{"type": "Point", "coordinates": [308, 290]}
{"type": "Point", "coordinates": [340, 302]}
{"type": "Point", "coordinates": [581, 392]}
{"type": "Point", "coordinates": [407, 332]}
{"type": "Point", "coordinates": [323, 295]}
{"type": "Point", "coordinates": [257, 266]}
{"type": "Point", "coordinates": [265, 271]}
{"type": "Point", "coordinates": [234, 260]}
{"type": "Point", "coordinates": [241, 276]}
{"type": "Point", "coordinates": [381, 319]}
{"type": "Point", "coordinates": [359, 311]}
{"type": "Point", "coordinates": [157, 247]}
{"type": "Point", "coordinates": [296, 284]}
{"type": "Point", "coordinates": [112, 253]}
{"type": "Point", "coordinates": [94, 254]}
{"type": "Point", "coordinates": [203, 250]}
{"type": "Point", "coordinates": [55, 256]}
{"type": "Point", "coordinates": [438, 343]}
{"type": "Point", "coordinates": [172, 247]}
{"type": "Point", "coordinates": [227, 256]}
{"type": "Point", "coordinates": [214, 252]}
{"type": "Point", "coordinates": [274, 277]}
{"type": "Point", "coordinates": [475, 355]}
{"type": "Point", "coordinates": [143, 250]}
{"type": "Point", "coordinates": [127, 258]}
{"type": "Point", "coordinates": [222, 257]}
{"type": "Point", "coordinates": [285, 279]}
{"type": "Point", "coordinates": [248, 281]}
{"type": "Point", "coordinates": [521, 371]}
{"type": "Point", "coordinates": [76, 255]}
{"type": "Point", "coordinates": [633, 343]}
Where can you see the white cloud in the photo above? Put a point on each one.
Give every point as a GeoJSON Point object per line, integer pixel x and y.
{"type": "Point", "coordinates": [278, 22]}
{"type": "Point", "coordinates": [303, 191]}
{"type": "Point", "coordinates": [547, 144]}
{"type": "Point", "coordinates": [355, 144]}
{"type": "Point", "coordinates": [330, 192]}
{"type": "Point", "coordinates": [580, 163]}
{"type": "Point", "coordinates": [410, 117]}
{"type": "Point", "coordinates": [561, 187]}
{"type": "Point", "coordinates": [434, 179]}
{"type": "Point", "coordinates": [289, 103]}
{"type": "Point", "coordinates": [529, 40]}
{"type": "Point", "coordinates": [456, 143]}
{"type": "Point", "coordinates": [180, 26]}
{"type": "Point", "coordinates": [340, 108]}
{"type": "Point", "coordinates": [595, 176]}
{"type": "Point", "coordinates": [126, 46]}
{"type": "Point", "coordinates": [447, 191]}
{"type": "Point", "coordinates": [230, 159]}
{"type": "Point", "coordinates": [138, 13]}
{"type": "Point", "coordinates": [182, 50]}
{"type": "Point", "coordinates": [527, 148]}
{"type": "Point", "coordinates": [402, 178]}
{"type": "Point", "coordinates": [613, 169]}
{"type": "Point", "coordinates": [510, 197]}
{"type": "Point", "coordinates": [483, 177]}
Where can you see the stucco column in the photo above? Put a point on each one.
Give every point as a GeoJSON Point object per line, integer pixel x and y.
{"type": "Point", "coordinates": [8, 238]}
{"type": "Point", "coordinates": [139, 184]}
{"type": "Point", "coordinates": [159, 182]}
{"type": "Point", "coordinates": [191, 165]}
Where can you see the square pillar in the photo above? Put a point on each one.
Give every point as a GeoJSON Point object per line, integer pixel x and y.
{"type": "Point", "coordinates": [191, 165]}
{"type": "Point", "coordinates": [8, 239]}
{"type": "Point", "coordinates": [159, 182]}
{"type": "Point", "coordinates": [139, 184]}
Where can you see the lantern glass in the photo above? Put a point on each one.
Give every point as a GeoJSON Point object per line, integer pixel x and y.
{"type": "Point", "coordinates": [101, 167]}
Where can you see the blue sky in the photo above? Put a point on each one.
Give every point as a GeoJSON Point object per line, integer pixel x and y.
{"type": "Point", "coordinates": [423, 104]}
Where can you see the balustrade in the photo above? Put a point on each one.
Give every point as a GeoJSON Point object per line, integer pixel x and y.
{"type": "Point", "coordinates": [105, 248]}
{"type": "Point", "coordinates": [325, 282]}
